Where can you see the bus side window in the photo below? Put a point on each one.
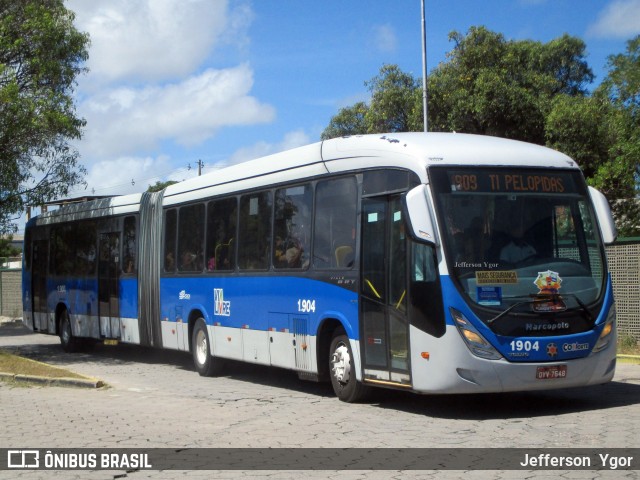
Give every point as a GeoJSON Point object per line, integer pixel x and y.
{"type": "Point", "coordinates": [255, 231]}
{"type": "Point", "coordinates": [130, 245]}
{"type": "Point", "coordinates": [426, 309]}
{"type": "Point", "coordinates": [191, 238]}
{"type": "Point", "coordinates": [171, 225]}
{"type": "Point", "coordinates": [292, 227]}
{"type": "Point", "coordinates": [335, 223]}
{"type": "Point", "coordinates": [424, 269]}
{"type": "Point", "coordinates": [221, 230]}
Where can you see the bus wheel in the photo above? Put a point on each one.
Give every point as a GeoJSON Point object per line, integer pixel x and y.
{"type": "Point", "coordinates": [67, 340]}
{"type": "Point", "coordinates": [342, 372]}
{"type": "Point", "coordinates": [205, 364]}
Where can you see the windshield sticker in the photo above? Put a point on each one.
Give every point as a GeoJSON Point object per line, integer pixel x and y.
{"type": "Point", "coordinates": [548, 282]}
{"type": "Point", "coordinates": [497, 277]}
{"type": "Point", "coordinates": [490, 296]}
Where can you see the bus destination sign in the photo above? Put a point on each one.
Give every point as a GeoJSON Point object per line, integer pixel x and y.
{"type": "Point", "coordinates": [510, 182]}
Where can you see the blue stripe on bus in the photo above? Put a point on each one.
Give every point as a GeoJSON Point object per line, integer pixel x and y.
{"type": "Point", "coordinates": [259, 303]}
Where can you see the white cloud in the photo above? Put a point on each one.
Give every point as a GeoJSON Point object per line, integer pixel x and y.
{"type": "Point", "coordinates": [385, 38]}
{"type": "Point", "coordinates": [154, 40]}
{"type": "Point", "coordinates": [620, 19]}
{"type": "Point", "coordinates": [296, 138]}
{"type": "Point", "coordinates": [125, 175]}
{"type": "Point", "coordinates": [129, 119]}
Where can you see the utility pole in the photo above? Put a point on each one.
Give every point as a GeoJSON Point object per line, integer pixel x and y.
{"type": "Point", "coordinates": [424, 66]}
{"type": "Point", "coordinates": [200, 165]}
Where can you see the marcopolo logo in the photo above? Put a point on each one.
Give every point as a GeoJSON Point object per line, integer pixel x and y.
{"type": "Point", "coordinates": [220, 306]}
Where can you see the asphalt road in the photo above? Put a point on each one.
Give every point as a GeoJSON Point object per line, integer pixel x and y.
{"type": "Point", "coordinates": [154, 399]}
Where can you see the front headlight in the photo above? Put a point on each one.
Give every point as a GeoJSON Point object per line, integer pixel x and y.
{"type": "Point", "coordinates": [607, 330]}
{"type": "Point", "coordinates": [472, 337]}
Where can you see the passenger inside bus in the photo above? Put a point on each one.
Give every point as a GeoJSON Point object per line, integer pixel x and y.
{"type": "Point", "coordinates": [188, 261]}
{"type": "Point", "coordinates": [517, 249]}
{"type": "Point", "coordinates": [288, 253]}
{"type": "Point", "coordinates": [169, 262]}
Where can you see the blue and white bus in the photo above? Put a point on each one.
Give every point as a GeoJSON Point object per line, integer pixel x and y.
{"type": "Point", "coordinates": [436, 263]}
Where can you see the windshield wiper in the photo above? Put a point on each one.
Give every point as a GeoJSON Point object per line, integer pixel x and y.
{"type": "Point", "coordinates": [508, 310]}
{"type": "Point", "coordinates": [544, 298]}
{"type": "Point", "coordinates": [584, 308]}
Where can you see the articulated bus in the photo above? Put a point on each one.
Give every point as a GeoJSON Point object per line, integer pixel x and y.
{"type": "Point", "coordinates": [435, 263]}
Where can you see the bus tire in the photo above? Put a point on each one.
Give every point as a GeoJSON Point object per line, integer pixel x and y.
{"type": "Point", "coordinates": [69, 343]}
{"type": "Point", "coordinates": [342, 371]}
{"type": "Point", "coordinates": [205, 364]}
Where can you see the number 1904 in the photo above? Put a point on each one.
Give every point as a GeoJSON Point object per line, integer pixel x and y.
{"type": "Point", "coordinates": [306, 306]}
{"type": "Point", "coordinates": [524, 346]}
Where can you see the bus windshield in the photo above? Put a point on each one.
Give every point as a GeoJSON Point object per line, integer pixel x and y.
{"type": "Point", "coordinates": [520, 239]}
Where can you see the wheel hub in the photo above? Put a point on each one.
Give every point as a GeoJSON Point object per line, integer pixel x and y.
{"type": "Point", "coordinates": [201, 347]}
{"type": "Point", "coordinates": [341, 364]}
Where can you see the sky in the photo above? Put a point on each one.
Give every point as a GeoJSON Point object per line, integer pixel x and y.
{"type": "Point", "coordinates": [174, 82]}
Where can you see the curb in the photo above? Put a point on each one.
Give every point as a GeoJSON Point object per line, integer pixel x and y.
{"type": "Point", "coordinates": [635, 357]}
{"type": "Point", "coordinates": [49, 381]}
{"type": "Point", "coordinates": [9, 321]}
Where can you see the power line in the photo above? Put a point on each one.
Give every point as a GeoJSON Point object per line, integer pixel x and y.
{"type": "Point", "coordinates": [133, 181]}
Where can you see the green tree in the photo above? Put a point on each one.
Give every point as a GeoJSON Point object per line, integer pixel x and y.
{"type": "Point", "coordinates": [488, 86]}
{"type": "Point", "coordinates": [622, 84]}
{"type": "Point", "coordinates": [493, 86]}
{"type": "Point", "coordinates": [348, 121]}
{"type": "Point", "coordinates": [602, 133]}
{"type": "Point", "coordinates": [160, 185]}
{"type": "Point", "coordinates": [392, 101]}
{"type": "Point", "coordinates": [6, 248]}
{"type": "Point", "coordinates": [41, 54]}
{"type": "Point", "coordinates": [392, 108]}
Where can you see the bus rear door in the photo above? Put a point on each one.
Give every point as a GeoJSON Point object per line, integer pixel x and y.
{"type": "Point", "coordinates": [39, 263]}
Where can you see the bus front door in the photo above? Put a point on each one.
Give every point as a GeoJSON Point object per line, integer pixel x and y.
{"type": "Point", "coordinates": [108, 281]}
{"type": "Point", "coordinates": [385, 329]}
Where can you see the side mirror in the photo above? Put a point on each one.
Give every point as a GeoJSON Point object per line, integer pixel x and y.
{"type": "Point", "coordinates": [603, 212]}
{"type": "Point", "coordinates": [419, 215]}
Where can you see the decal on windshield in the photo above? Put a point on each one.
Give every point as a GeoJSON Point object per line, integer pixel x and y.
{"type": "Point", "coordinates": [548, 283]}
{"type": "Point", "coordinates": [496, 277]}
{"type": "Point", "coordinates": [489, 296]}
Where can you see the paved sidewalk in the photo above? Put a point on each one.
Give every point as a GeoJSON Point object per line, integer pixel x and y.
{"type": "Point", "coordinates": [156, 399]}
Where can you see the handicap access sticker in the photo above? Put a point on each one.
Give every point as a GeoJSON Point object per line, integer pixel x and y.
{"type": "Point", "coordinates": [489, 295]}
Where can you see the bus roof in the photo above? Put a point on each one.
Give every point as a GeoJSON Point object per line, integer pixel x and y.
{"type": "Point", "coordinates": [447, 149]}
{"type": "Point", "coordinates": [410, 150]}
{"type": "Point", "coordinates": [103, 207]}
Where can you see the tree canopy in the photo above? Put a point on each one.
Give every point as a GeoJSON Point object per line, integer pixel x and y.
{"type": "Point", "coordinates": [525, 90]}
{"type": "Point", "coordinates": [158, 186]}
{"type": "Point", "coordinates": [41, 54]}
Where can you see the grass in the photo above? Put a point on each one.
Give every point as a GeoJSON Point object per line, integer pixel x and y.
{"type": "Point", "coordinates": [628, 345]}
{"type": "Point", "coordinates": [628, 349]}
{"type": "Point", "coordinates": [17, 365]}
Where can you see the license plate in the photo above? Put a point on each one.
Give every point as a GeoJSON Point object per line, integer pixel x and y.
{"type": "Point", "coordinates": [549, 373]}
